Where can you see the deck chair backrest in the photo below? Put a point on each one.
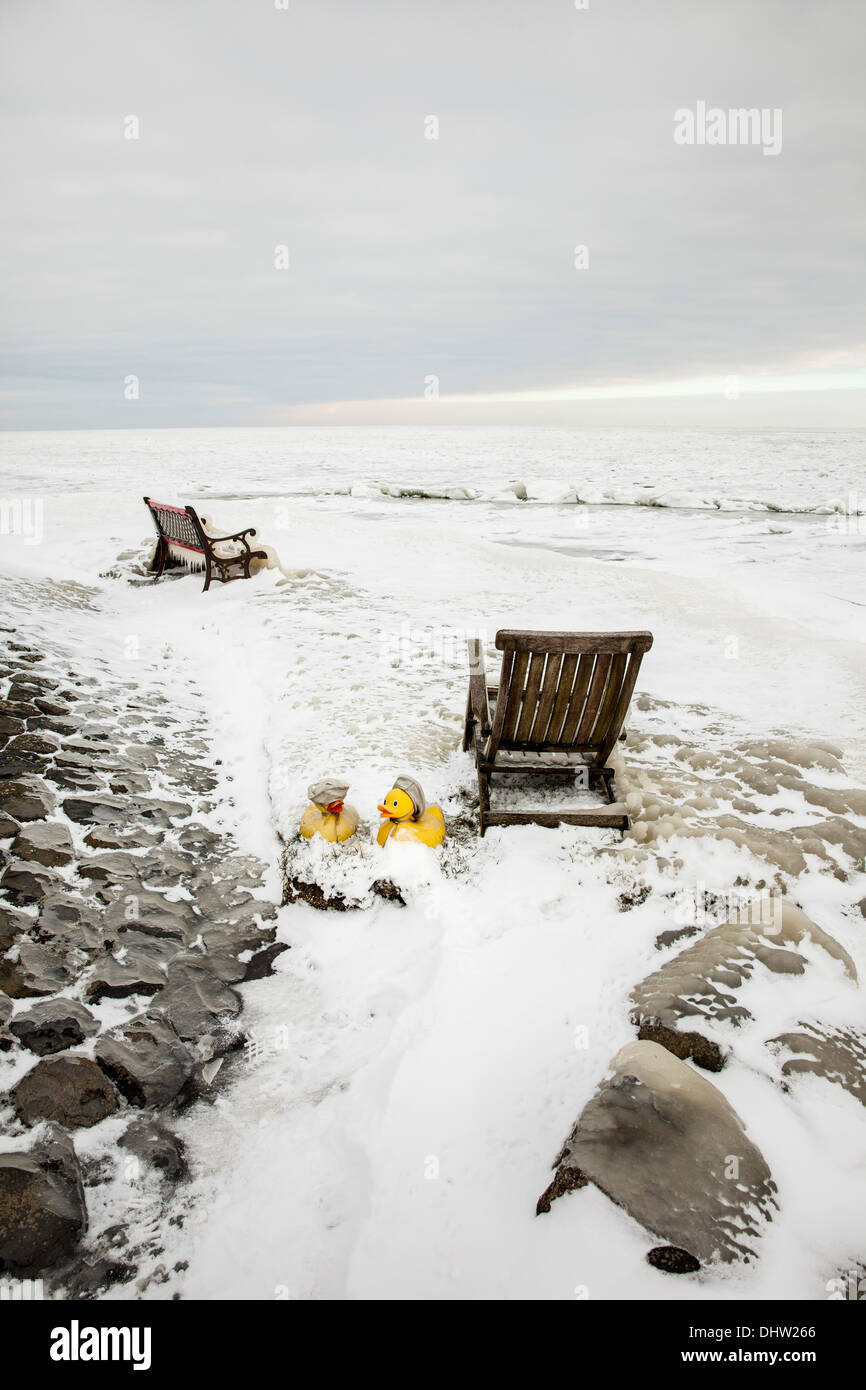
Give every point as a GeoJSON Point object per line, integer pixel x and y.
{"type": "Point", "coordinates": [565, 690]}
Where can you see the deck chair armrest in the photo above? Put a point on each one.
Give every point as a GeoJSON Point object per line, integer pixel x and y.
{"type": "Point", "coordinates": [478, 703]}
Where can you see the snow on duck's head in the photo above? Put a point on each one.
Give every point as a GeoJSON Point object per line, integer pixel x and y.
{"type": "Point", "coordinates": [404, 799]}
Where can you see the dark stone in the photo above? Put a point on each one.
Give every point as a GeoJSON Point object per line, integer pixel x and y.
{"type": "Point", "coordinates": [114, 839]}
{"type": "Point", "coordinates": [663, 1143]}
{"type": "Point", "coordinates": [53, 1026]}
{"type": "Point", "coordinates": [141, 971]}
{"type": "Point", "coordinates": [17, 764]}
{"type": "Point", "coordinates": [146, 1060]}
{"type": "Point", "coordinates": [38, 971]}
{"type": "Point", "coordinates": [565, 1180]}
{"type": "Point", "coordinates": [703, 1051]}
{"type": "Point", "coordinates": [384, 888]}
{"type": "Point", "coordinates": [299, 890]}
{"type": "Point", "coordinates": [156, 1146]}
{"type": "Point", "coordinates": [633, 898]}
{"type": "Point", "coordinates": [42, 1209]}
{"type": "Point", "coordinates": [195, 997]}
{"type": "Point", "coordinates": [47, 842]}
{"type": "Point", "coordinates": [672, 1260]}
{"type": "Point", "coordinates": [50, 707]}
{"type": "Point", "coordinates": [27, 798]}
{"type": "Point", "coordinates": [95, 812]}
{"type": "Point", "coordinates": [30, 743]}
{"type": "Point", "coordinates": [11, 926]}
{"type": "Point", "coordinates": [667, 938]}
{"type": "Point", "coordinates": [72, 1090]}
{"type": "Point", "coordinates": [110, 867]}
{"type": "Point", "coordinates": [24, 883]}
{"type": "Point", "coordinates": [8, 827]}
{"type": "Point", "coordinates": [9, 725]}
{"type": "Point", "coordinates": [261, 964]}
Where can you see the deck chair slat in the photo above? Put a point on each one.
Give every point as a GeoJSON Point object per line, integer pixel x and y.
{"type": "Point", "coordinates": [530, 696]}
{"type": "Point", "coordinates": [578, 696]}
{"type": "Point", "coordinates": [549, 684]}
{"type": "Point", "coordinates": [563, 695]}
{"type": "Point", "coordinates": [621, 710]}
{"type": "Point", "coordinates": [593, 699]}
{"type": "Point", "coordinates": [515, 695]}
{"type": "Point", "coordinates": [608, 699]}
{"type": "Point", "coordinates": [499, 708]}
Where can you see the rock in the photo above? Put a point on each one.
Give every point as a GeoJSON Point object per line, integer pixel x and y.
{"type": "Point", "coordinates": [113, 839]}
{"type": "Point", "coordinates": [111, 867]}
{"type": "Point", "coordinates": [10, 725]}
{"type": "Point", "coordinates": [85, 812]}
{"type": "Point", "coordinates": [38, 970]}
{"type": "Point", "coordinates": [71, 1090]}
{"type": "Point", "coordinates": [53, 1025]}
{"type": "Point", "coordinates": [153, 914]}
{"type": "Point", "coordinates": [157, 1146]}
{"type": "Point", "coordinates": [262, 963]}
{"type": "Point", "coordinates": [46, 842]}
{"type": "Point", "coordinates": [661, 1141]}
{"type": "Point", "coordinates": [11, 926]}
{"type": "Point", "coordinates": [836, 1054]}
{"type": "Point", "coordinates": [27, 798]}
{"type": "Point", "coordinates": [301, 890]}
{"type": "Point", "coordinates": [194, 997]}
{"type": "Point", "coordinates": [146, 1060]}
{"type": "Point", "coordinates": [50, 707]}
{"type": "Point", "coordinates": [672, 1260]}
{"type": "Point", "coordinates": [42, 1209]}
{"type": "Point", "coordinates": [25, 883]}
{"type": "Point", "coordinates": [68, 921]}
{"type": "Point", "coordinates": [31, 743]}
{"type": "Point", "coordinates": [8, 827]}
{"type": "Point", "coordinates": [696, 983]}
{"type": "Point", "coordinates": [5, 1009]}
{"type": "Point", "coordinates": [138, 968]}
{"type": "Point", "coordinates": [16, 764]}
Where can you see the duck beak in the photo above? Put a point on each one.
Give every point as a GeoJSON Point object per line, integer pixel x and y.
{"type": "Point", "coordinates": [335, 807]}
{"type": "Point", "coordinates": [383, 811]}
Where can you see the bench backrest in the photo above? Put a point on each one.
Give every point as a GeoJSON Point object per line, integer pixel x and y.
{"type": "Point", "coordinates": [178, 525]}
{"type": "Point", "coordinates": [565, 691]}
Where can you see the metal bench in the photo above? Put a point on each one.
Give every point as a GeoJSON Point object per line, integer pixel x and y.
{"type": "Point", "coordinates": [183, 540]}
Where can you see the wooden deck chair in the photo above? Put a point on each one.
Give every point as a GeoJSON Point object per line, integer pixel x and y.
{"type": "Point", "coordinates": [560, 706]}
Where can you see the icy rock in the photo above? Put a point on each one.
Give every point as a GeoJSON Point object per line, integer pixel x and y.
{"type": "Point", "coordinates": [836, 1054]}
{"type": "Point", "coordinates": [141, 970]}
{"type": "Point", "coordinates": [194, 997]}
{"type": "Point", "coordinates": [85, 812]}
{"type": "Point", "coordinates": [38, 970]}
{"type": "Point", "coordinates": [26, 798]}
{"type": "Point", "coordinates": [47, 842]}
{"type": "Point", "coordinates": [53, 1026]}
{"type": "Point", "coordinates": [69, 922]}
{"type": "Point", "coordinates": [153, 914]}
{"type": "Point", "coordinates": [111, 867]}
{"type": "Point", "coordinates": [661, 1141]}
{"type": "Point", "coordinates": [694, 984]}
{"type": "Point", "coordinates": [156, 1146]}
{"type": "Point", "coordinates": [71, 1090]}
{"type": "Point", "coordinates": [11, 925]}
{"type": "Point", "coordinates": [27, 883]}
{"type": "Point", "coordinates": [259, 966]}
{"type": "Point", "coordinates": [146, 1060]}
{"type": "Point", "coordinates": [42, 1209]}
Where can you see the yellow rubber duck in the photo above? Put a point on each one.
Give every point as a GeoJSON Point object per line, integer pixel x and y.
{"type": "Point", "coordinates": [327, 815]}
{"type": "Point", "coordinates": [408, 817]}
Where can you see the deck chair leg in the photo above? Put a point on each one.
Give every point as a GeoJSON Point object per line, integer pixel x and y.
{"type": "Point", "coordinates": [207, 573]}
{"type": "Point", "coordinates": [467, 725]}
{"type": "Point", "coordinates": [483, 800]}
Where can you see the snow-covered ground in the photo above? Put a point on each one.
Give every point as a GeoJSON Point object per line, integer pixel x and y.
{"type": "Point", "coordinates": [414, 1070]}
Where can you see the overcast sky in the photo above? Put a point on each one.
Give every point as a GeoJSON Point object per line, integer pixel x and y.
{"type": "Point", "coordinates": [413, 258]}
